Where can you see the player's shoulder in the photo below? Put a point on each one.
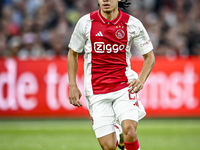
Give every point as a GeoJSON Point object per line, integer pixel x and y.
{"type": "Point", "coordinates": [133, 21]}
{"type": "Point", "coordinates": [85, 18]}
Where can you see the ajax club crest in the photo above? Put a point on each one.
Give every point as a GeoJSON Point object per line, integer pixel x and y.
{"type": "Point", "coordinates": [120, 34]}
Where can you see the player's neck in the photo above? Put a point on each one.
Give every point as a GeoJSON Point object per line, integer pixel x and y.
{"type": "Point", "coordinates": [110, 15]}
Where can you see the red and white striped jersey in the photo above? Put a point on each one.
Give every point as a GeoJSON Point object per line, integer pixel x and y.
{"type": "Point", "coordinates": [107, 46]}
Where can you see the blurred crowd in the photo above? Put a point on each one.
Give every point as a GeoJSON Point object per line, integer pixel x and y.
{"type": "Point", "coordinates": [42, 28]}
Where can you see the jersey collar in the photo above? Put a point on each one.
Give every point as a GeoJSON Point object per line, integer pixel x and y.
{"type": "Point", "coordinates": [114, 21]}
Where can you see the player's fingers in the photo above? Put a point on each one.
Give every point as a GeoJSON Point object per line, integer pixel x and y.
{"type": "Point", "coordinates": [135, 86]}
{"type": "Point", "coordinates": [130, 90]}
{"type": "Point", "coordinates": [132, 83]}
{"type": "Point", "coordinates": [79, 104]}
{"type": "Point", "coordinates": [73, 101]}
{"type": "Point", "coordinates": [70, 100]}
{"type": "Point", "coordinates": [138, 88]}
{"type": "Point", "coordinates": [78, 100]}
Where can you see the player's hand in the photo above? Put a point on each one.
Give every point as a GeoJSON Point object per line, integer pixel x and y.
{"type": "Point", "coordinates": [136, 85]}
{"type": "Point", "coordinates": [74, 96]}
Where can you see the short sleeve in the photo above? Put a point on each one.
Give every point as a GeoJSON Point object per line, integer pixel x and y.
{"type": "Point", "coordinates": [78, 38]}
{"type": "Point", "coordinates": [141, 39]}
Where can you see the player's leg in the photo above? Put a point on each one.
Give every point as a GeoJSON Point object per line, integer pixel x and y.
{"type": "Point", "coordinates": [130, 135]}
{"type": "Point", "coordinates": [129, 110]}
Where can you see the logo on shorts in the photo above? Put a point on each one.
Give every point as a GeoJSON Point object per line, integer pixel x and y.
{"type": "Point", "coordinates": [120, 34]}
{"type": "Point", "coordinates": [136, 104]}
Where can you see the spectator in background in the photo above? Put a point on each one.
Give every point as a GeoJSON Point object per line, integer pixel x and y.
{"type": "Point", "coordinates": [197, 50]}
{"type": "Point", "coordinates": [1, 6]}
{"type": "Point", "coordinates": [14, 45]}
{"type": "Point", "coordinates": [30, 47]}
{"type": "Point", "coordinates": [28, 25]}
{"type": "Point", "coordinates": [57, 45]}
{"type": "Point", "coordinates": [2, 46]}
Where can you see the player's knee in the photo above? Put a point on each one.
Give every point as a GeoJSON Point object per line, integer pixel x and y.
{"type": "Point", "coordinates": [130, 132]}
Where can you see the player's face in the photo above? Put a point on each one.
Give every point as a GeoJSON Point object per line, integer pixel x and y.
{"type": "Point", "coordinates": [108, 6]}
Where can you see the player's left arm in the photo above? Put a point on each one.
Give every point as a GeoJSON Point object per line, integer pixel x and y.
{"type": "Point", "coordinates": [137, 84]}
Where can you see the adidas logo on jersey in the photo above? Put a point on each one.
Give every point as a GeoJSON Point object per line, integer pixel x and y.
{"type": "Point", "coordinates": [99, 34]}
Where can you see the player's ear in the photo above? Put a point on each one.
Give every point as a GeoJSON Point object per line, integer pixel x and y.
{"type": "Point", "coordinates": [119, 0]}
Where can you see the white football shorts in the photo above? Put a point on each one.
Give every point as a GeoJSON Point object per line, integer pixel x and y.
{"type": "Point", "coordinates": [105, 108]}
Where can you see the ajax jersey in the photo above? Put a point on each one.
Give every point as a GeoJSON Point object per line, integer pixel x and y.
{"type": "Point", "coordinates": [107, 50]}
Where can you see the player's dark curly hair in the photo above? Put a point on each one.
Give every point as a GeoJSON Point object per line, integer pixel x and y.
{"type": "Point", "coordinates": [124, 4]}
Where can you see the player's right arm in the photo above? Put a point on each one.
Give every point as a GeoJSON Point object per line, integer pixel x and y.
{"type": "Point", "coordinates": [76, 45]}
{"type": "Point", "coordinates": [74, 92]}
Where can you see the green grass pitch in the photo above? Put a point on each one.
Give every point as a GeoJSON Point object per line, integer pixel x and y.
{"type": "Point", "coordinates": [69, 134]}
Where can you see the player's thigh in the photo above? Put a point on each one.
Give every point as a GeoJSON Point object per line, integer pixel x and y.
{"type": "Point", "coordinates": [103, 117]}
